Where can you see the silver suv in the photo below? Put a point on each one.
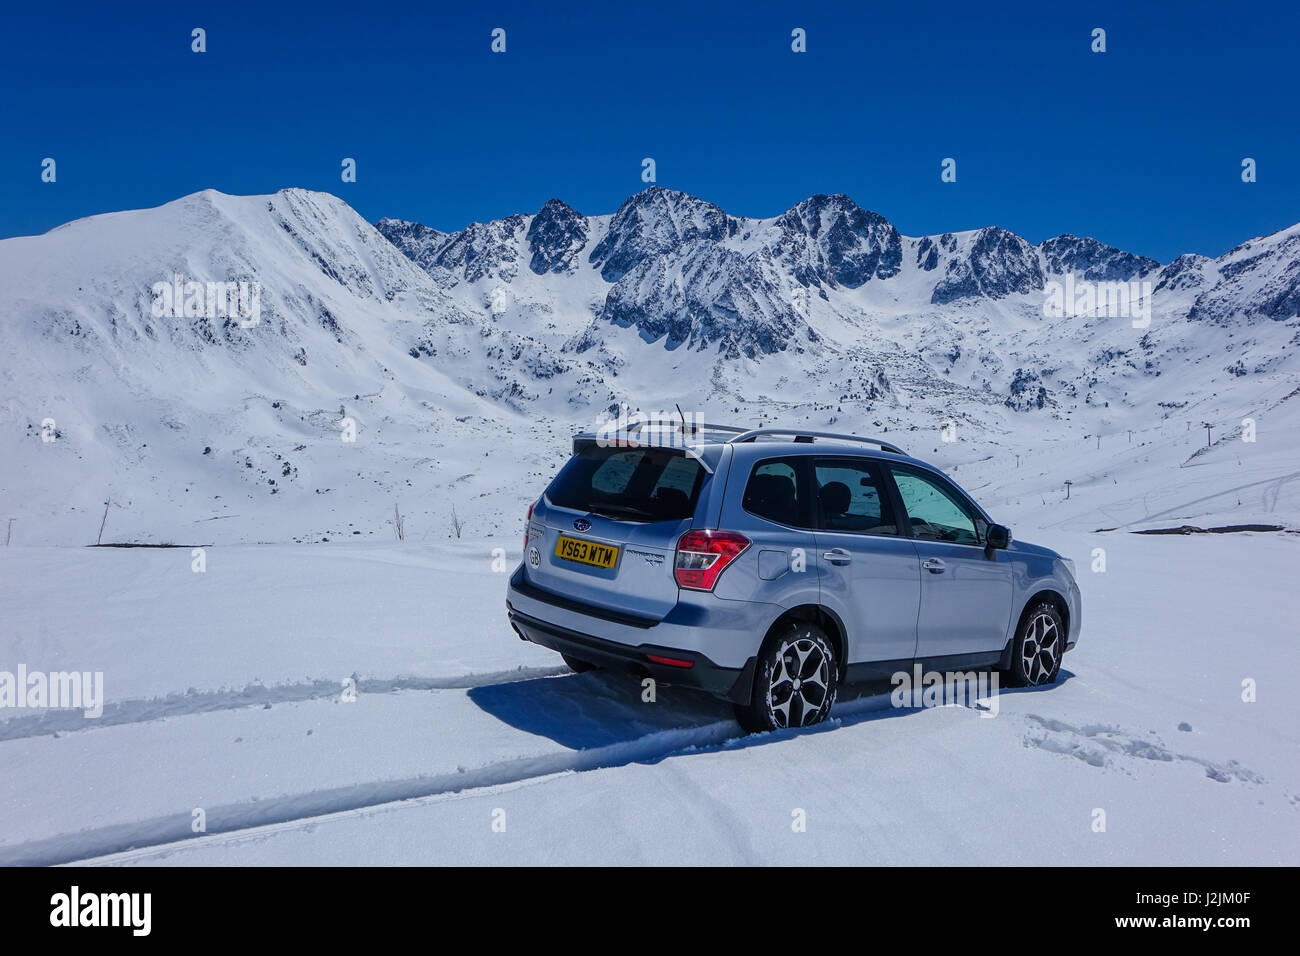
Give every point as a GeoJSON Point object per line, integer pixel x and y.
{"type": "Point", "coordinates": [771, 566]}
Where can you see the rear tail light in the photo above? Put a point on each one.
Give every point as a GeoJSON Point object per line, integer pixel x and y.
{"type": "Point", "coordinates": [702, 556]}
{"type": "Point", "coordinates": [528, 523]}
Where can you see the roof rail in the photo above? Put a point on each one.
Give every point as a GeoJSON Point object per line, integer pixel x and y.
{"type": "Point", "coordinates": [801, 435]}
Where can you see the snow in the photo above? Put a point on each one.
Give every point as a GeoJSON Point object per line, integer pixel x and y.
{"type": "Point", "coordinates": [225, 692]}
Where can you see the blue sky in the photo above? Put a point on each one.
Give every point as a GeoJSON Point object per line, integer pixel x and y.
{"type": "Point", "coordinates": [1140, 146]}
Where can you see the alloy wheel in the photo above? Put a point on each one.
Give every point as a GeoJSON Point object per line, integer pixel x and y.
{"type": "Point", "coordinates": [800, 684]}
{"type": "Point", "coordinates": [1040, 653]}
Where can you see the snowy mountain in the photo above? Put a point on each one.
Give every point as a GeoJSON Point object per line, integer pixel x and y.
{"type": "Point", "coordinates": [1259, 279]}
{"type": "Point", "coordinates": [459, 362]}
{"type": "Point", "coordinates": [193, 425]}
{"type": "Point", "coordinates": [1092, 260]}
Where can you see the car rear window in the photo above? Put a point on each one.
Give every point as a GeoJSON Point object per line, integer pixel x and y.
{"type": "Point", "coordinates": [630, 484]}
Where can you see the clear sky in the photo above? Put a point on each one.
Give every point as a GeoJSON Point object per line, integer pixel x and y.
{"type": "Point", "coordinates": [1140, 146]}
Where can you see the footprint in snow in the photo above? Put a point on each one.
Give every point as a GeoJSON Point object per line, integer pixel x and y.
{"type": "Point", "coordinates": [1098, 744]}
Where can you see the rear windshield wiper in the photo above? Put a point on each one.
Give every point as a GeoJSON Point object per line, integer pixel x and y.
{"type": "Point", "coordinates": [620, 511]}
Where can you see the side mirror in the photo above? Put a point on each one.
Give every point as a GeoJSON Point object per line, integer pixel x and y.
{"type": "Point", "coordinates": [997, 537]}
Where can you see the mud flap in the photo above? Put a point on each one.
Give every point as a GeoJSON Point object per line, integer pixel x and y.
{"type": "Point", "coordinates": [743, 689]}
{"type": "Point", "coordinates": [1004, 660]}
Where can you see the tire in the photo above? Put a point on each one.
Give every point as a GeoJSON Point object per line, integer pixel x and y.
{"type": "Point", "coordinates": [783, 696]}
{"type": "Point", "coordinates": [577, 666]}
{"type": "Point", "coordinates": [1038, 647]}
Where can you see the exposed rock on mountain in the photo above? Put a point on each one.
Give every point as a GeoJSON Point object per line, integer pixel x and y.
{"type": "Point", "coordinates": [1258, 279]}
{"type": "Point", "coordinates": [656, 222]}
{"type": "Point", "coordinates": [555, 236]}
{"type": "Point", "coordinates": [831, 239]}
{"type": "Point", "coordinates": [711, 296]}
{"type": "Point", "coordinates": [996, 264]}
{"type": "Point", "coordinates": [1092, 260]}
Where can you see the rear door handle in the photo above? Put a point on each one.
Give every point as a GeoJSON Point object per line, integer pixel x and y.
{"type": "Point", "coordinates": [933, 565]}
{"type": "Point", "coordinates": [837, 556]}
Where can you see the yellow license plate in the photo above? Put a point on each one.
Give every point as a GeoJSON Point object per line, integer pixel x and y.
{"type": "Point", "coordinates": [586, 552]}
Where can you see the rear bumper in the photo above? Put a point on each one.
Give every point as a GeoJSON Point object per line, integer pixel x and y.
{"type": "Point", "coordinates": [561, 625]}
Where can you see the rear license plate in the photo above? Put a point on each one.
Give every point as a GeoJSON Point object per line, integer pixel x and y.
{"type": "Point", "coordinates": [586, 552]}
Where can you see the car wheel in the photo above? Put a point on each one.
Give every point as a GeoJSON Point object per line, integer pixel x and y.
{"type": "Point", "coordinates": [577, 666]}
{"type": "Point", "coordinates": [1038, 647]}
{"type": "Point", "coordinates": [795, 681]}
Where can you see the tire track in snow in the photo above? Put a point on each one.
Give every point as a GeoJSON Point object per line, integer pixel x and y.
{"type": "Point", "coordinates": [233, 818]}
{"type": "Point", "coordinates": [279, 812]}
{"type": "Point", "coordinates": [253, 695]}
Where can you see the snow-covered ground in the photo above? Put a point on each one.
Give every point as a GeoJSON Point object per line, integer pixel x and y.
{"type": "Point", "coordinates": [226, 693]}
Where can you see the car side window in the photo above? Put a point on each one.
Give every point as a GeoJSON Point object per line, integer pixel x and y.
{"type": "Point", "coordinates": [934, 511]}
{"type": "Point", "coordinates": [773, 492]}
{"type": "Point", "coordinates": [851, 497]}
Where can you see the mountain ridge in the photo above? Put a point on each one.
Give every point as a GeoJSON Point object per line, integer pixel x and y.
{"type": "Point", "coordinates": [446, 352]}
